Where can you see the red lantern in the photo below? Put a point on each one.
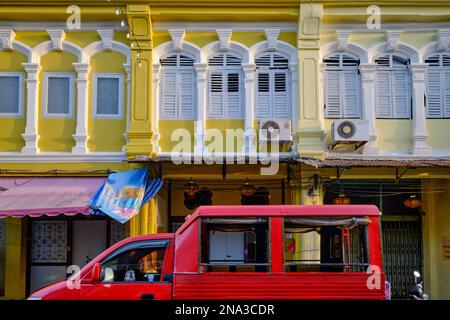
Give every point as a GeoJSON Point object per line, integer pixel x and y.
{"type": "Point", "coordinates": [412, 202]}
{"type": "Point", "coordinates": [247, 189]}
{"type": "Point", "coordinates": [191, 188]}
{"type": "Point", "coordinates": [341, 200]}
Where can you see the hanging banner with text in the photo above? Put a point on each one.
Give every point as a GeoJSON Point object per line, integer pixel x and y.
{"type": "Point", "coordinates": [122, 194]}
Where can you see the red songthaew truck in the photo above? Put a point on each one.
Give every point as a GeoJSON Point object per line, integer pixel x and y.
{"type": "Point", "coordinates": [242, 252]}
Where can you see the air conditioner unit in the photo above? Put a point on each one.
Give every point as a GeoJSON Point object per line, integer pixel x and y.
{"type": "Point", "coordinates": [275, 130]}
{"type": "Point", "coordinates": [349, 132]}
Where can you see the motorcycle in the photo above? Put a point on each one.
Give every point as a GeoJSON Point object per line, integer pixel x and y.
{"type": "Point", "coordinates": [416, 291]}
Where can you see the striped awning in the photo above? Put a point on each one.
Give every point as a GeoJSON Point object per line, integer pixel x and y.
{"type": "Point", "coordinates": [49, 196]}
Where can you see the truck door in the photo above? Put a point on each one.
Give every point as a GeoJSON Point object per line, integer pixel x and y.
{"type": "Point", "coordinates": [138, 270]}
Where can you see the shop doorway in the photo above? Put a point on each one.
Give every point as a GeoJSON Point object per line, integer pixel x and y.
{"type": "Point", "coordinates": [401, 227]}
{"type": "Point", "coordinates": [54, 244]}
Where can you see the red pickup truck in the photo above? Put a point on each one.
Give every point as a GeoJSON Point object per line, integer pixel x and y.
{"type": "Point", "coordinates": [242, 252]}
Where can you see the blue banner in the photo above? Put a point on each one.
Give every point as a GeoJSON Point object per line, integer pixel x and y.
{"type": "Point", "coordinates": [123, 194]}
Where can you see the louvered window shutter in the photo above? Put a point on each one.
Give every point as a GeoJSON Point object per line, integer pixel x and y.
{"type": "Point", "coordinates": [168, 108]}
{"type": "Point", "coordinates": [333, 94]}
{"type": "Point", "coordinates": [434, 93]}
{"type": "Point", "coordinates": [263, 95]}
{"type": "Point", "coordinates": [384, 94]}
{"type": "Point", "coordinates": [177, 88]}
{"type": "Point", "coordinates": [402, 100]}
{"type": "Point", "coordinates": [216, 95]}
{"type": "Point", "coordinates": [186, 100]}
{"type": "Point", "coordinates": [351, 93]}
{"type": "Point", "coordinates": [233, 96]}
{"type": "Point", "coordinates": [280, 96]}
{"type": "Point", "coordinates": [446, 94]}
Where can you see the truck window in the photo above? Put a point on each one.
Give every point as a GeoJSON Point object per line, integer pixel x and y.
{"type": "Point", "coordinates": [137, 264]}
{"type": "Point", "coordinates": [326, 244]}
{"type": "Point", "coordinates": [234, 245]}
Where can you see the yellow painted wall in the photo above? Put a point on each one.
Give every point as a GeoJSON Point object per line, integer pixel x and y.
{"type": "Point", "coordinates": [222, 125]}
{"type": "Point", "coordinates": [32, 38]}
{"type": "Point", "coordinates": [394, 134]}
{"type": "Point", "coordinates": [436, 227]}
{"type": "Point", "coordinates": [11, 129]}
{"type": "Point", "coordinates": [56, 134]}
{"type": "Point", "coordinates": [439, 133]}
{"type": "Point", "coordinates": [167, 128]}
{"type": "Point", "coordinates": [107, 134]}
{"type": "Point", "coordinates": [82, 39]}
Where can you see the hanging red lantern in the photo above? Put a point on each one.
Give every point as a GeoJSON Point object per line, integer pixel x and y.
{"type": "Point", "coordinates": [247, 189]}
{"type": "Point", "coordinates": [341, 200]}
{"type": "Point", "coordinates": [191, 188]}
{"type": "Point", "coordinates": [412, 202]}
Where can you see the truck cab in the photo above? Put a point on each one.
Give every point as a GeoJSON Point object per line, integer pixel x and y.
{"type": "Point", "coordinates": [242, 252]}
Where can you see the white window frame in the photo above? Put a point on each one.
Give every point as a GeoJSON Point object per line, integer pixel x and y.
{"type": "Point", "coordinates": [341, 69]}
{"type": "Point", "coordinates": [95, 78]}
{"type": "Point", "coordinates": [20, 108]}
{"type": "Point", "coordinates": [391, 69]}
{"type": "Point", "coordinates": [178, 69]}
{"type": "Point", "coordinates": [271, 73]}
{"type": "Point", "coordinates": [71, 77]}
{"type": "Point", "coordinates": [225, 70]}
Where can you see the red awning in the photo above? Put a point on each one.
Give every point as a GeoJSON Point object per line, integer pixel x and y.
{"type": "Point", "coordinates": [35, 197]}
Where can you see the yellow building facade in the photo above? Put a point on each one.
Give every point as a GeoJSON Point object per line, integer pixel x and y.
{"type": "Point", "coordinates": [130, 85]}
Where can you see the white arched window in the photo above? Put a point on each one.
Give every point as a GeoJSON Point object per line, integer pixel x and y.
{"type": "Point", "coordinates": [272, 90]}
{"type": "Point", "coordinates": [225, 89]}
{"type": "Point", "coordinates": [393, 87]}
{"type": "Point", "coordinates": [438, 86]}
{"type": "Point", "coordinates": [342, 87]}
{"type": "Point", "coordinates": [177, 87]}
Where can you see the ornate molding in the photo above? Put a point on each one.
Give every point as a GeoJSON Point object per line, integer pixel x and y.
{"type": "Point", "coordinates": [177, 36]}
{"type": "Point", "coordinates": [7, 37]}
{"type": "Point", "coordinates": [272, 37]}
{"type": "Point", "coordinates": [443, 36]}
{"type": "Point", "coordinates": [107, 37]}
{"type": "Point", "coordinates": [392, 37]}
{"type": "Point", "coordinates": [342, 39]}
{"type": "Point", "coordinates": [224, 36]}
{"type": "Point", "coordinates": [57, 37]}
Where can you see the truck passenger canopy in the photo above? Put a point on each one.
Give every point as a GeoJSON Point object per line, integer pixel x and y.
{"type": "Point", "coordinates": [326, 244]}
{"type": "Point", "coordinates": [234, 245]}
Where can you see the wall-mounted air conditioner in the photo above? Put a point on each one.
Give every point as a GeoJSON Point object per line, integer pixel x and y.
{"type": "Point", "coordinates": [349, 132]}
{"type": "Point", "coordinates": [275, 130]}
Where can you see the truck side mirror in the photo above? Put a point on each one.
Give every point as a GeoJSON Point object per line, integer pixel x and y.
{"type": "Point", "coordinates": [96, 272]}
{"type": "Point", "coordinates": [93, 276]}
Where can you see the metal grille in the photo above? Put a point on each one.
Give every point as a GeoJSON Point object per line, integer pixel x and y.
{"type": "Point", "coordinates": [402, 252]}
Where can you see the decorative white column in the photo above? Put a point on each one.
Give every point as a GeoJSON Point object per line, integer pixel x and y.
{"type": "Point", "coordinates": [31, 136]}
{"type": "Point", "coordinates": [155, 113]}
{"type": "Point", "coordinates": [420, 134]}
{"type": "Point", "coordinates": [200, 130]}
{"type": "Point", "coordinates": [368, 105]}
{"type": "Point", "coordinates": [127, 67]}
{"type": "Point", "coordinates": [81, 134]}
{"type": "Point", "coordinates": [249, 114]}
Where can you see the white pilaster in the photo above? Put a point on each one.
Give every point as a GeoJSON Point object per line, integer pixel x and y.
{"type": "Point", "coordinates": [368, 105]}
{"type": "Point", "coordinates": [200, 130]}
{"type": "Point", "coordinates": [420, 134]}
{"type": "Point", "coordinates": [81, 132]}
{"type": "Point", "coordinates": [293, 68]}
{"type": "Point", "coordinates": [249, 85]}
{"type": "Point", "coordinates": [31, 136]}
{"type": "Point", "coordinates": [155, 113]}
{"type": "Point", "coordinates": [127, 67]}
